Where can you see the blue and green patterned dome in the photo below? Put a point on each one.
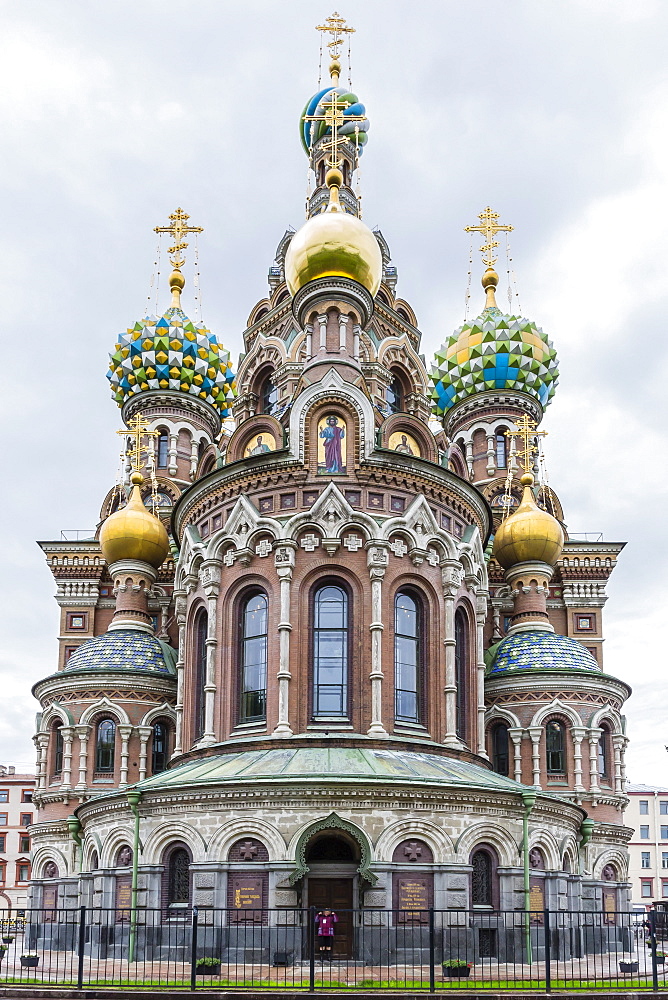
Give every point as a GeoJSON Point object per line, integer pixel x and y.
{"type": "Point", "coordinates": [540, 651]}
{"type": "Point", "coordinates": [172, 353]}
{"type": "Point", "coordinates": [494, 351]}
{"type": "Point", "coordinates": [312, 132]}
{"type": "Point", "coordinates": [124, 649]}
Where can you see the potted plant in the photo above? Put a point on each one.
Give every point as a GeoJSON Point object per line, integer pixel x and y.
{"type": "Point", "coordinates": [628, 965]}
{"type": "Point", "coordinates": [660, 957]}
{"type": "Point", "coordinates": [207, 966]}
{"type": "Point", "coordinates": [7, 938]}
{"type": "Point", "coordinates": [30, 960]}
{"type": "Point", "coordinates": [456, 968]}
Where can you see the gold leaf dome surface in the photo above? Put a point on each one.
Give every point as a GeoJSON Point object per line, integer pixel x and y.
{"type": "Point", "coordinates": [134, 533]}
{"type": "Point", "coordinates": [530, 534]}
{"type": "Point", "coordinates": [334, 243]}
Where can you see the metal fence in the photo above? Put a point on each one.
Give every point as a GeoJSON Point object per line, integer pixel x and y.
{"type": "Point", "coordinates": [279, 949]}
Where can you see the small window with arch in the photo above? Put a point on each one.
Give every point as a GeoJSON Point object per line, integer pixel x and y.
{"type": "Point", "coordinates": [500, 748]}
{"type": "Point", "coordinates": [555, 748]}
{"type": "Point", "coordinates": [160, 747]}
{"type": "Point", "coordinates": [501, 440]}
{"type": "Point", "coordinates": [163, 448]}
{"type": "Point", "coordinates": [105, 746]}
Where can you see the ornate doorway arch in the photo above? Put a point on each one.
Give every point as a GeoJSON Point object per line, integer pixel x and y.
{"type": "Point", "coordinates": [333, 822]}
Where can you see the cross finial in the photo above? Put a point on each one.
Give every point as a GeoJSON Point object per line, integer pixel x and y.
{"type": "Point", "coordinates": [525, 446]}
{"type": "Point", "coordinates": [489, 227]}
{"type": "Point", "coordinates": [337, 28]}
{"type": "Point", "coordinates": [178, 228]}
{"type": "Point", "coordinates": [333, 108]}
{"type": "Point", "coordinates": [137, 429]}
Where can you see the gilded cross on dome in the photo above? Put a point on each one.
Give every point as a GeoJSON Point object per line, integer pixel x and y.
{"type": "Point", "coordinates": [137, 429]}
{"type": "Point", "coordinates": [333, 108]}
{"type": "Point", "coordinates": [489, 227]}
{"type": "Point", "coordinates": [337, 28]}
{"type": "Point", "coordinates": [524, 436]}
{"type": "Point", "coordinates": [178, 228]}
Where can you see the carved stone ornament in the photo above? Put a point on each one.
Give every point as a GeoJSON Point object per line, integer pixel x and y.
{"type": "Point", "coordinates": [125, 857]}
{"type": "Point", "coordinates": [51, 870]}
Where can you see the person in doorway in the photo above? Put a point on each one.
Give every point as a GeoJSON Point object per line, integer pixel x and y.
{"type": "Point", "coordinates": [326, 919]}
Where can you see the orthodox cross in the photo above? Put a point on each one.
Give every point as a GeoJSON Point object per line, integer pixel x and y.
{"type": "Point", "coordinates": [247, 850]}
{"type": "Point", "coordinates": [137, 429]}
{"type": "Point", "coordinates": [333, 108]}
{"type": "Point", "coordinates": [525, 441]}
{"type": "Point", "coordinates": [413, 850]}
{"type": "Point", "coordinates": [178, 228]}
{"type": "Point", "coordinates": [336, 27]}
{"type": "Point", "coordinates": [489, 227]}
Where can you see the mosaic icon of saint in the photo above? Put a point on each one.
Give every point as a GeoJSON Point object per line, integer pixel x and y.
{"type": "Point", "coordinates": [403, 447]}
{"type": "Point", "coordinates": [260, 448]}
{"type": "Point", "coordinates": [333, 435]}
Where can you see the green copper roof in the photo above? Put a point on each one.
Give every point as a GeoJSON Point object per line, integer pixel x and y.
{"type": "Point", "coordinates": [316, 764]}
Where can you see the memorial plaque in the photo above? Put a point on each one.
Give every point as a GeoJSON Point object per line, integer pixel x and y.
{"type": "Point", "coordinates": [537, 899]}
{"type": "Point", "coordinates": [246, 896]}
{"type": "Point", "coordinates": [123, 898]}
{"type": "Point", "coordinates": [49, 903]}
{"type": "Point", "coordinates": [412, 897]}
{"type": "Point", "coordinates": [609, 905]}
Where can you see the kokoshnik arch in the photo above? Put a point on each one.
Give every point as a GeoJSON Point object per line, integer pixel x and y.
{"type": "Point", "coordinates": [351, 631]}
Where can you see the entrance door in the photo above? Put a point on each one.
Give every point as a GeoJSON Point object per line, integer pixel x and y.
{"type": "Point", "coordinates": [335, 894]}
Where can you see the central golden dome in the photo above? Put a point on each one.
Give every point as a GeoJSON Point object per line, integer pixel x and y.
{"type": "Point", "coordinates": [134, 533]}
{"type": "Point", "coordinates": [528, 535]}
{"type": "Point", "coordinates": [334, 244]}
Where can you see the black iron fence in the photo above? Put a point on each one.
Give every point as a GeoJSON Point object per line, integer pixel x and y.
{"type": "Point", "coordinates": [278, 949]}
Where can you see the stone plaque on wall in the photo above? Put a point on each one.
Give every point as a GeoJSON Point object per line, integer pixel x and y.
{"type": "Point", "coordinates": [536, 899]}
{"type": "Point", "coordinates": [246, 896]}
{"type": "Point", "coordinates": [49, 903]}
{"type": "Point", "coordinates": [413, 896]}
{"type": "Point", "coordinates": [609, 905]}
{"type": "Point", "coordinates": [123, 898]}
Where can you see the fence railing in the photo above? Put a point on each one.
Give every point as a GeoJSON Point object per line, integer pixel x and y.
{"type": "Point", "coordinates": [278, 949]}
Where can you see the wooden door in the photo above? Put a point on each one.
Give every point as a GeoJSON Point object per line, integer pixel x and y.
{"type": "Point", "coordinates": [335, 894]}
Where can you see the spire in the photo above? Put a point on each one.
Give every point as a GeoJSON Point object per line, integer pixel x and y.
{"type": "Point", "coordinates": [178, 228]}
{"type": "Point", "coordinates": [489, 227]}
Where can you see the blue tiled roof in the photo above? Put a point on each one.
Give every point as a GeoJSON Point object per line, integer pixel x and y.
{"type": "Point", "coordinates": [541, 651]}
{"type": "Point", "coordinates": [125, 649]}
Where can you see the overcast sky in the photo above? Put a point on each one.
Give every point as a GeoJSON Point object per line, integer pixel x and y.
{"type": "Point", "coordinates": [552, 111]}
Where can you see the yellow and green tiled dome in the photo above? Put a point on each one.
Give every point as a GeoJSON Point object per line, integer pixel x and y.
{"type": "Point", "coordinates": [494, 351]}
{"type": "Point", "coordinates": [172, 353]}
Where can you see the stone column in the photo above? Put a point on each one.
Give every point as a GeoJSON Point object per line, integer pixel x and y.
{"type": "Point", "coordinates": [42, 744]}
{"type": "Point", "coordinates": [577, 735]}
{"type": "Point", "coordinates": [343, 333]}
{"type": "Point", "coordinates": [322, 323]}
{"type": "Point", "coordinates": [180, 611]}
{"type": "Point", "coordinates": [125, 733]}
{"type": "Point", "coordinates": [193, 457]}
{"type": "Point", "coordinates": [284, 562]}
{"type": "Point", "coordinates": [451, 577]}
{"type": "Point", "coordinates": [594, 735]}
{"type": "Point", "coordinates": [469, 457]}
{"type": "Point", "coordinates": [619, 742]}
{"type": "Point", "coordinates": [481, 618]}
{"type": "Point", "coordinates": [491, 454]}
{"type": "Point", "coordinates": [68, 739]}
{"type": "Point", "coordinates": [535, 732]}
{"type": "Point", "coordinates": [83, 732]}
{"type": "Point", "coordinates": [144, 736]}
{"type": "Point", "coordinates": [172, 468]}
{"type": "Point", "coordinates": [516, 737]}
{"type": "Point", "coordinates": [356, 341]}
{"type": "Point", "coordinates": [377, 560]}
{"type": "Point", "coordinates": [308, 329]}
{"type": "Point", "coordinates": [210, 577]}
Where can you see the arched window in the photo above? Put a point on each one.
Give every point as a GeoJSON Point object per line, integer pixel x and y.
{"type": "Point", "coordinates": [407, 657]}
{"type": "Point", "coordinates": [268, 395]}
{"type": "Point", "coordinates": [500, 745]}
{"type": "Point", "coordinates": [483, 877]}
{"type": "Point", "coordinates": [160, 748]}
{"type": "Point", "coordinates": [57, 735]}
{"type": "Point", "coordinates": [394, 395]}
{"type": "Point", "coordinates": [501, 448]}
{"type": "Point", "coordinates": [163, 449]}
{"type": "Point", "coordinates": [177, 865]}
{"type": "Point", "coordinates": [461, 671]}
{"type": "Point", "coordinates": [201, 629]}
{"type": "Point", "coordinates": [604, 752]}
{"type": "Point", "coordinates": [253, 659]}
{"type": "Point", "coordinates": [330, 651]}
{"type": "Point", "coordinates": [555, 747]}
{"type": "Point", "coordinates": [94, 861]}
{"type": "Point", "coordinates": [105, 744]}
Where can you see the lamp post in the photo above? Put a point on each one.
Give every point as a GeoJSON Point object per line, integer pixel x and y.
{"type": "Point", "coordinates": [133, 796]}
{"type": "Point", "coordinates": [528, 801]}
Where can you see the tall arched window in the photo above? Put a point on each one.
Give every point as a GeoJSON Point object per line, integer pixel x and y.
{"type": "Point", "coordinates": [105, 745]}
{"type": "Point", "coordinates": [482, 877]}
{"type": "Point", "coordinates": [163, 449]}
{"type": "Point", "coordinates": [394, 395]}
{"type": "Point", "coordinates": [57, 735]}
{"type": "Point", "coordinates": [330, 651]}
{"type": "Point", "coordinates": [604, 752]}
{"type": "Point", "coordinates": [500, 746]}
{"type": "Point", "coordinates": [160, 747]}
{"type": "Point", "coordinates": [201, 629]}
{"type": "Point", "coordinates": [461, 671]}
{"type": "Point", "coordinates": [253, 659]}
{"type": "Point", "coordinates": [501, 448]}
{"type": "Point", "coordinates": [407, 657]}
{"type": "Point", "coordinates": [555, 747]}
{"type": "Point", "coordinates": [177, 865]}
{"type": "Point", "coordinates": [268, 395]}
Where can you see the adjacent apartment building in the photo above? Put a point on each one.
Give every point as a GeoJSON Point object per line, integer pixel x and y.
{"type": "Point", "coordinates": [647, 813]}
{"type": "Point", "coordinates": [16, 816]}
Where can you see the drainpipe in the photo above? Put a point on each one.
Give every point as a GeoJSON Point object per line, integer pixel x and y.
{"type": "Point", "coordinates": [74, 828]}
{"type": "Point", "coordinates": [133, 797]}
{"type": "Point", "coordinates": [528, 801]}
{"type": "Point", "coordinates": [586, 830]}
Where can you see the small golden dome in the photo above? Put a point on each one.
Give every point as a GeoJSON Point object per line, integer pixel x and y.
{"type": "Point", "coordinates": [334, 243]}
{"type": "Point", "coordinates": [133, 532]}
{"type": "Point", "coordinates": [529, 534]}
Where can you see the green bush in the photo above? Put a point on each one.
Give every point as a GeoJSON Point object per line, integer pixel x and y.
{"type": "Point", "coordinates": [207, 962]}
{"type": "Point", "coordinates": [455, 963]}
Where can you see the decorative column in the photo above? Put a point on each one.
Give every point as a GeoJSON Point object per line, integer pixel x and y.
{"type": "Point", "coordinates": [480, 618]}
{"type": "Point", "coordinates": [284, 562]}
{"type": "Point", "coordinates": [125, 733]}
{"type": "Point", "coordinates": [308, 329]}
{"type": "Point", "coordinates": [180, 611]}
{"type": "Point", "coordinates": [68, 739]}
{"type": "Point", "coordinates": [491, 454]}
{"type": "Point", "coordinates": [619, 742]}
{"type": "Point", "coordinates": [42, 744]}
{"type": "Point", "coordinates": [594, 736]}
{"type": "Point", "coordinates": [577, 735]}
{"type": "Point", "coordinates": [450, 573]}
{"type": "Point", "coordinates": [356, 341]}
{"type": "Point", "coordinates": [173, 453]}
{"type": "Point", "coordinates": [210, 577]}
{"type": "Point", "coordinates": [516, 736]}
{"type": "Point", "coordinates": [376, 560]}
{"type": "Point", "coordinates": [322, 323]}
{"type": "Point", "coordinates": [469, 457]}
{"type": "Point", "coordinates": [144, 736]}
{"type": "Point", "coordinates": [83, 732]}
{"type": "Point", "coordinates": [343, 332]}
{"type": "Point", "coordinates": [535, 732]}
{"type": "Point", "coordinates": [193, 457]}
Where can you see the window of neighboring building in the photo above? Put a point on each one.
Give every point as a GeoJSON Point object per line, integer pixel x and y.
{"type": "Point", "coordinates": [160, 747]}
{"type": "Point", "coordinates": [644, 859]}
{"type": "Point", "coordinates": [330, 651]}
{"type": "Point", "coordinates": [644, 832]}
{"type": "Point", "coordinates": [24, 844]}
{"type": "Point", "coordinates": [663, 808]}
{"type": "Point", "coordinates": [163, 449]}
{"type": "Point", "coordinates": [664, 859]}
{"type": "Point", "coordinates": [664, 889]}
{"type": "Point", "coordinates": [461, 672]}
{"type": "Point", "coordinates": [3, 819]}
{"type": "Point", "coordinates": [555, 747]}
{"type": "Point", "coordinates": [3, 870]}
{"type": "Point", "coordinates": [664, 833]}
{"type": "Point", "coordinates": [105, 745]}
{"type": "Point", "coordinates": [500, 744]}
{"type": "Point", "coordinates": [407, 657]}
{"type": "Point", "coordinates": [646, 888]}
{"type": "Point", "coordinates": [253, 639]}
{"type": "Point", "coordinates": [23, 872]}
{"type": "Point", "coordinates": [3, 842]}
{"type": "Point", "coordinates": [26, 819]}
{"type": "Point", "coordinates": [644, 807]}
{"type": "Point", "coordinates": [26, 795]}
{"type": "Point", "coordinates": [4, 795]}
{"type": "Point", "coordinates": [501, 449]}
{"type": "Point", "coordinates": [201, 629]}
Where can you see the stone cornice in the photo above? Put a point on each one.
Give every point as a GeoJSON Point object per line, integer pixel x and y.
{"type": "Point", "coordinates": [545, 681]}
{"type": "Point", "coordinates": [75, 680]}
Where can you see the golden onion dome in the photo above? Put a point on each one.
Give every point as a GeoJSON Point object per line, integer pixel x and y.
{"type": "Point", "coordinates": [133, 532]}
{"type": "Point", "coordinates": [334, 244]}
{"type": "Point", "coordinates": [529, 534]}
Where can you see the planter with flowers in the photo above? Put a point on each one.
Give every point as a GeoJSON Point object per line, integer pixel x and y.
{"type": "Point", "coordinates": [456, 968]}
